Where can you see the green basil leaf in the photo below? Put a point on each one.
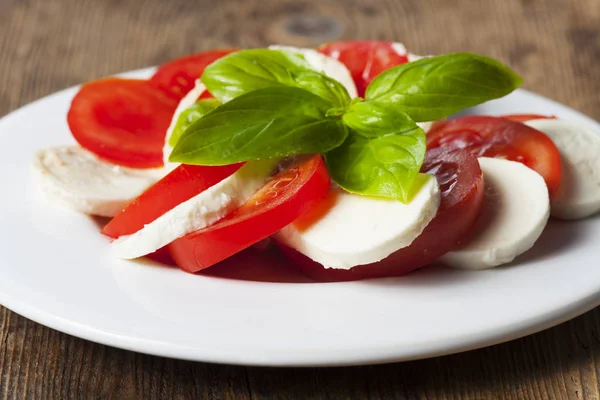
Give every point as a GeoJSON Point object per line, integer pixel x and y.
{"type": "Point", "coordinates": [248, 70]}
{"type": "Point", "coordinates": [384, 166]}
{"type": "Point", "coordinates": [372, 120]}
{"type": "Point", "coordinates": [324, 87]}
{"type": "Point", "coordinates": [190, 115]}
{"type": "Point", "coordinates": [266, 123]}
{"type": "Point", "coordinates": [436, 87]}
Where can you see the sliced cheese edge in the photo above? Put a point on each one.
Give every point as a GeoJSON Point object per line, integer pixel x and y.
{"type": "Point", "coordinates": [355, 230]}
{"type": "Point", "coordinates": [515, 211]}
{"type": "Point", "coordinates": [78, 179]}
{"type": "Point", "coordinates": [579, 148]}
{"type": "Point", "coordinates": [200, 211]}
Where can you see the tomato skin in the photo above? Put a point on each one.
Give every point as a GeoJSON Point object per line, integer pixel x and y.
{"type": "Point", "coordinates": [288, 195]}
{"type": "Point", "coordinates": [205, 95]}
{"type": "Point", "coordinates": [122, 120]}
{"type": "Point", "coordinates": [162, 256]}
{"type": "Point", "coordinates": [461, 183]}
{"type": "Point", "coordinates": [499, 137]}
{"type": "Point", "coordinates": [526, 117]}
{"type": "Point", "coordinates": [364, 58]}
{"type": "Point", "coordinates": [181, 184]}
{"type": "Point", "coordinates": [178, 77]}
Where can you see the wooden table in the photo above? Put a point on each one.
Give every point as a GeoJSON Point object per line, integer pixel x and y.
{"type": "Point", "coordinates": [47, 45]}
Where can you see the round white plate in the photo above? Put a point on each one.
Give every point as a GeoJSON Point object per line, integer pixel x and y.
{"type": "Point", "coordinates": [56, 269]}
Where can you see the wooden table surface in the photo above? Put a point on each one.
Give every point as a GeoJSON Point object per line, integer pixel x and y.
{"type": "Point", "coordinates": [48, 45]}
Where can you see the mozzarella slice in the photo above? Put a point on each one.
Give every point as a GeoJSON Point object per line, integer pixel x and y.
{"type": "Point", "coordinates": [346, 230]}
{"type": "Point", "coordinates": [515, 211]}
{"type": "Point", "coordinates": [80, 180]}
{"type": "Point", "coordinates": [401, 50]}
{"type": "Point", "coordinates": [327, 65]}
{"type": "Point", "coordinates": [414, 57]}
{"type": "Point", "coordinates": [188, 100]}
{"type": "Point", "coordinates": [198, 212]}
{"type": "Point", "coordinates": [579, 148]}
{"type": "Point", "coordinates": [425, 125]}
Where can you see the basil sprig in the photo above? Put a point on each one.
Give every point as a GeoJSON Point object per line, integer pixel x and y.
{"type": "Point", "coordinates": [275, 105]}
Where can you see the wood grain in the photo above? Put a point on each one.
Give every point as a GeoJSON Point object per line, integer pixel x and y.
{"type": "Point", "coordinates": [47, 45]}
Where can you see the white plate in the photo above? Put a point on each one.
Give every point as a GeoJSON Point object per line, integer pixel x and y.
{"type": "Point", "coordinates": [55, 269]}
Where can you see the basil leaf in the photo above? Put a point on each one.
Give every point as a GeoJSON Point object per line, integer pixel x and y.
{"type": "Point", "coordinates": [372, 120]}
{"type": "Point", "coordinates": [189, 115]}
{"type": "Point", "coordinates": [384, 166]}
{"type": "Point", "coordinates": [324, 87]}
{"type": "Point", "coordinates": [435, 87]}
{"type": "Point", "coordinates": [266, 123]}
{"type": "Point", "coordinates": [248, 70]}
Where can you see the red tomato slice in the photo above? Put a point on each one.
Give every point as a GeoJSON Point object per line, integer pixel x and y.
{"type": "Point", "coordinates": [525, 117]}
{"type": "Point", "coordinates": [122, 120]}
{"type": "Point", "coordinates": [499, 137]}
{"type": "Point", "coordinates": [162, 256]}
{"type": "Point", "coordinates": [461, 185]}
{"type": "Point", "coordinates": [206, 95]}
{"type": "Point", "coordinates": [181, 184]}
{"type": "Point", "coordinates": [179, 76]}
{"type": "Point", "coordinates": [365, 59]}
{"type": "Point", "coordinates": [284, 198]}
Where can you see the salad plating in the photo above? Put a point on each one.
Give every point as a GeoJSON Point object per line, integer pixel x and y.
{"type": "Point", "coordinates": [276, 143]}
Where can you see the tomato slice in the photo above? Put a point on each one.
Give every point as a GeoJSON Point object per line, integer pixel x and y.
{"type": "Point", "coordinates": [526, 117]}
{"type": "Point", "coordinates": [206, 95]}
{"type": "Point", "coordinates": [181, 184]}
{"type": "Point", "coordinates": [122, 120]}
{"type": "Point", "coordinates": [179, 76]}
{"type": "Point", "coordinates": [286, 196]}
{"type": "Point", "coordinates": [162, 256]}
{"type": "Point", "coordinates": [461, 185]}
{"type": "Point", "coordinates": [364, 58]}
{"type": "Point", "coordinates": [500, 137]}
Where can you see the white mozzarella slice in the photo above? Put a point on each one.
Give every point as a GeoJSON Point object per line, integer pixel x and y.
{"type": "Point", "coordinates": [327, 65]}
{"type": "Point", "coordinates": [188, 100]}
{"type": "Point", "coordinates": [198, 212]}
{"type": "Point", "coordinates": [515, 211]}
{"type": "Point", "coordinates": [579, 147]}
{"type": "Point", "coordinates": [357, 230]}
{"type": "Point", "coordinates": [400, 49]}
{"type": "Point", "coordinates": [80, 180]}
{"type": "Point", "coordinates": [425, 125]}
{"type": "Point", "coordinates": [414, 57]}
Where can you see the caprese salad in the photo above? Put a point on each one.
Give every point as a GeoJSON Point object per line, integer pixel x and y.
{"type": "Point", "coordinates": [344, 156]}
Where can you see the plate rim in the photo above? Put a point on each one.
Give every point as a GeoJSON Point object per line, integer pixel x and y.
{"type": "Point", "coordinates": [272, 358]}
